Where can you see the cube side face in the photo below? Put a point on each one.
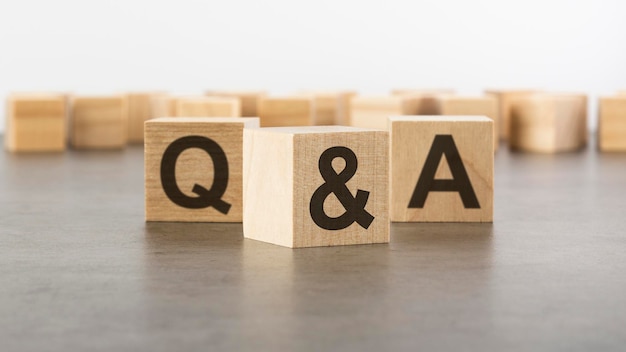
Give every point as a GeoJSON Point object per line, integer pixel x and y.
{"type": "Point", "coordinates": [314, 181]}
{"type": "Point", "coordinates": [226, 107]}
{"type": "Point", "coordinates": [183, 157]}
{"type": "Point", "coordinates": [533, 126]}
{"type": "Point", "coordinates": [374, 113]}
{"type": "Point", "coordinates": [506, 100]}
{"type": "Point", "coordinates": [36, 125]}
{"type": "Point", "coordinates": [570, 122]}
{"type": "Point", "coordinates": [276, 112]}
{"type": "Point", "coordinates": [140, 109]}
{"type": "Point", "coordinates": [268, 174]}
{"type": "Point", "coordinates": [326, 109]}
{"type": "Point", "coordinates": [612, 124]}
{"type": "Point", "coordinates": [413, 142]}
{"type": "Point", "coordinates": [99, 122]}
{"type": "Point", "coordinates": [249, 101]}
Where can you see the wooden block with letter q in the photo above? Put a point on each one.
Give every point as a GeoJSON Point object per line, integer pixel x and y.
{"type": "Point", "coordinates": [208, 107]}
{"type": "Point", "coordinates": [612, 124]}
{"type": "Point", "coordinates": [286, 111]}
{"type": "Point", "coordinates": [316, 186]}
{"type": "Point", "coordinates": [471, 106]}
{"type": "Point", "coordinates": [441, 168]}
{"type": "Point", "coordinates": [193, 168]}
{"type": "Point", "coordinates": [36, 123]}
{"type": "Point", "coordinates": [99, 122]}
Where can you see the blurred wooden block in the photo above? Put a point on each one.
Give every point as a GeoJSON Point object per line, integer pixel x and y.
{"type": "Point", "coordinates": [164, 106]}
{"type": "Point", "coordinates": [331, 107]}
{"type": "Point", "coordinates": [549, 123]}
{"type": "Point", "coordinates": [36, 122]}
{"type": "Point", "coordinates": [373, 112]}
{"type": "Point", "coordinates": [286, 111]}
{"type": "Point", "coordinates": [193, 168]}
{"type": "Point", "coordinates": [612, 124]}
{"type": "Point", "coordinates": [472, 106]}
{"type": "Point", "coordinates": [208, 107]}
{"type": "Point", "coordinates": [441, 168]}
{"type": "Point", "coordinates": [249, 100]}
{"type": "Point", "coordinates": [505, 99]}
{"type": "Point", "coordinates": [428, 99]}
{"type": "Point", "coordinates": [140, 109]}
{"type": "Point", "coordinates": [99, 122]}
{"type": "Point", "coordinates": [293, 203]}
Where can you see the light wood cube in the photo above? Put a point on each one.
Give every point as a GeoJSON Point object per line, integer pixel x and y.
{"type": "Point", "coordinates": [441, 168]}
{"type": "Point", "coordinates": [428, 99]}
{"type": "Point", "coordinates": [208, 107]}
{"type": "Point", "coordinates": [612, 124]}
{"type": "Point", "coordinates": [472, 106]}
{"type": "Point", "coordinates": [249, 100]}
{"type": "Point", "coordinates": [331, 107]}
{"type": "Point", "coordinates": [36, 123]}
{"type": "Point", "coordinates": [99, 122]}
{"type": "Point", "coordinates": [549, 123]}
{"type": "Point", "coordinates": [300, 181]}
{"type": "Point", "coordinates": [164, 106]}
{"type": "Point", "coordinates": [286, 111]}
{"type": "Point", "coordinates": [193, 168]}
{"type": "Point", "coordinates": [140, 109]}
{"type": "Point", "coordinates": [505, 99]}
{"type": "Point", "coordinates": [373, 112]}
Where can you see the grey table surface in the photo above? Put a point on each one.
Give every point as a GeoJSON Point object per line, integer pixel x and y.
{"type": "Point", "coordinates": [81, 270]}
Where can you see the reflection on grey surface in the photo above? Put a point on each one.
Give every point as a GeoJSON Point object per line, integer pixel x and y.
{"type": "Point", "coordinates": [82, 271]}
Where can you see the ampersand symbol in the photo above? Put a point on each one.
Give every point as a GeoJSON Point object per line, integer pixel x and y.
{"type": "Point", "coordinates": [206, 197]}
{"type": "Point", "coordinates": [336, 183]}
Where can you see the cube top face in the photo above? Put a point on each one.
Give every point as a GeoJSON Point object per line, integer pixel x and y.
{"type": "Point", "coordinates": [99, 122]}
{"type": "Point", "coordinates": [193, 169]}
{"type": "Point", "coordinates": [456, 151]}
{"type": "Point", "coordinates": [286, 111]}
{"type": "Point", "coordinates": [612, 124]}
{"type": "Point", "coordinates": [311, 165]}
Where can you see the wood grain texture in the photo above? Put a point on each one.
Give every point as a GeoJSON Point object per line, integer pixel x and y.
{"type": "Point", "coordinates": [277, 200]}
{"type": "Point", "coordinates": [36, 122]}
{"type": "Point", "coordinates": [99, 122]}
{"type": "Point", "coordinates": [249, 100]}
{"type": "Point", "coordinates": [286, 111]}
{"type": "Point", "coordinates": [208, 107]}
{"type": "Point", "coordinates": [194, 166]}
{"type": "Point", "coordinates": [373, 112]}
{"type": "Point", "coordinates": [140, 109]}
{"type": "Point", "coordinates": [411, 141]}
{"type": "Point", "coordinates": [612, 124]}
{"type": "Point", "coordinates": [472, 106]}
{"type": "Point", "coordinates": [505, 99]}
{"type": "Point", "coordinates": [548, 123]}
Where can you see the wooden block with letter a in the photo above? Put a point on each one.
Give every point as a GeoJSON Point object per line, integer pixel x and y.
{"type": "Point", "coordinates": [549, 123]}
{"type": "Point", "coordinates": [316, 186]}
{"type": "Point", "coordinates": [193, 168]}
{"type": "Point", "coordinates": [140, 109]}
{"type": "Point", "coordinates": [208, 107]}
{"type": "Point", "coordinates": [612, 124]}
{"type": "Point", "coordinates": [373, 112]}
{"type": "Point", "coordinates": [249, 100]}
{"type": "Point", "coordinates": [471, 106]}
{"type": "Point", "coordinates": [505, 99]}
{"type": "Point", "coordinates": [99, 122]}
{"type": "Point", "coordinates": [441, 168]}
{"type": "Point", "coordinates": [36, 122]}
{"type": "Point", "coordinates": [286, 111]}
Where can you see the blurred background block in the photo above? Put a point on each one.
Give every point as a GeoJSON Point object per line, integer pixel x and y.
{"type": "Point", "coordinates": [463, 105]}
{"type": "Point", "coordinates": [612, 124]}
{"type": "Point", "coordinates": [249, 100]}
{"type": "Point", "coordinates": [286, 111]}
{"type": "Point", "coordinates": [140, 109]}
{"type": "Point", "coordinates": [99, 122]}
{"type": "Point", "coordinates": [203, 106]}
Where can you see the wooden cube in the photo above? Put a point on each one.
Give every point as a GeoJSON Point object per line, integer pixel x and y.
{"type": "Point", "coordinates": [249, 100]}
{"type": "Point", "coordinates": [441, 168]}
{"type": "Point", "coordinates": [99, 122]}
{"type": "Point", "coordinates": [36, 123]}
{"type": "Point", "coordinates": [193, 168]}
{"type": "Point", "coordinates": [286, 111]}
{"type": "Point", "coordinates": [549, 123]}
{"type": "Point", "coordinates": [373, 112]}
{"type": "Point", "coordinates": [505, 99]}
{"type": "Point", "coordinates": [208, 107]}
{"type": "Point", "coordinates": [164, 106]}
{"type": "Point", "coordinates": [331, 107]}
{"type": "Point", "coordinates": [471, 106]}
{"type": "Point", "coordinates": [299, 181]}
{"type": "Point", "coordinates": [140, 109]}
{"type": "Point", "coordinates": [612, 124]}
{"type": "Point", "coordinates": [428, 99]}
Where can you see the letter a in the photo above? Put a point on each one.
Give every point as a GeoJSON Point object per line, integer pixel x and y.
{"type": "Point", "coordinates": [444, 145]}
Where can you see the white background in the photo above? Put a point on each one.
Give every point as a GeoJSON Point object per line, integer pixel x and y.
{"type": "Point", "coordinates": [187, 46]}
